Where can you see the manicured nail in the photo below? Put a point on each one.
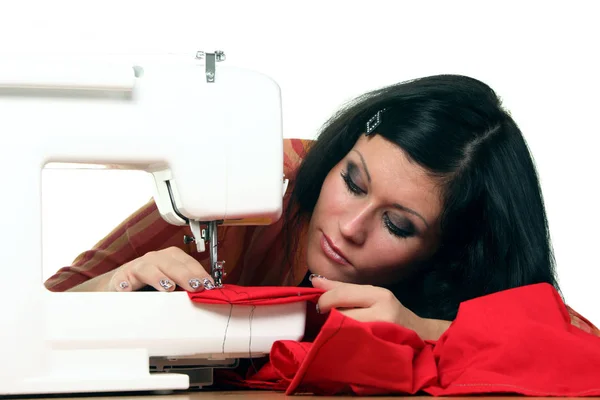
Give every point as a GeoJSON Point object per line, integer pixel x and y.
{"type": "Point", "coordinates": [208, 285]}
{"type": "Point", "coordinates": [318, 309]}
{"type": "Point", "coordinates": [165, 284]}
{"type": "Point", "coordinates": [195, 283]}
{"type": "Point", "coordinates": [310, 278]}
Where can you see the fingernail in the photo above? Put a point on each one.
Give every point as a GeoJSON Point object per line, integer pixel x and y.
{"type": "Point", "coordinates": [310, 278]}
{"type": "Point", "coordinates": [208, 285]}
{"type": "Point", "coordinates": [318, 309]}
{"type": "Point", "coordinates": [123, 285]}
{"type": "Point", "coordinates": [165, 284]}
{"type": "Point", "coordinates": [195, 283]}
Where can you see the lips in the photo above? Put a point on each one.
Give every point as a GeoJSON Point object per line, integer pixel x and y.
{"type": "Point", "coordinates": [332, 252]}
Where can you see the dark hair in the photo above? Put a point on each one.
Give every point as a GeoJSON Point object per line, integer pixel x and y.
{"type": "Point", "coordinates": [494, 232]}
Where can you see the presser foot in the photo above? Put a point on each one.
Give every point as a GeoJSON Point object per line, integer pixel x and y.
{"type": "Point", "coordinates": [218, 273]}
{"type": "Point", "coordinates": [199, 237]}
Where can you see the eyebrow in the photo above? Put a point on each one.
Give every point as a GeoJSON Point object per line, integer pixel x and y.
{"type": "Point", "coordinates": [395, 205]}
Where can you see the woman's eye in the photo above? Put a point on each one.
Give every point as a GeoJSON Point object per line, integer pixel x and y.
{"type": "Point", "coordinates": [395, 230]}
{"type": "Point", "coordinates": [352, 187]}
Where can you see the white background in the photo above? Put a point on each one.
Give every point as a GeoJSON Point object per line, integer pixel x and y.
{"type": "Point", "coordinates": [540, 56]}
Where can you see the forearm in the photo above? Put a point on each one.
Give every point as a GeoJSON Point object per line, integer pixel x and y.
{"type": "Point", "coordinates": [431, 329]}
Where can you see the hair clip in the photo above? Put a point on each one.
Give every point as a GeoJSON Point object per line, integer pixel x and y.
{"type": "Point", "coordinates": [374, 122]}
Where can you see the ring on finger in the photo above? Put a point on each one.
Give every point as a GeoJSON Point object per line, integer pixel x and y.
{"type": "Point", "coordinates": [124, 285]}
{"type": "Point", "coordinates": [195, 283]}
{"type": "Point", "coordinates": [165, 284]}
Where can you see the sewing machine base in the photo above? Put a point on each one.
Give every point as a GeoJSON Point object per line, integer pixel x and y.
{"type": "Point", "coordinates": [165, 374]}
{"type": "Point", "coordinates": [112, 349]}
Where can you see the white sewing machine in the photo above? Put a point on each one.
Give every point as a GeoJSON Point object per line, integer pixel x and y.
{"type": "Point", "coordinates": [211, 136]}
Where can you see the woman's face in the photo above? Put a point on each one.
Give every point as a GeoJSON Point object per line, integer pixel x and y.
{"type": "Point", "coordinates": [377, 215]}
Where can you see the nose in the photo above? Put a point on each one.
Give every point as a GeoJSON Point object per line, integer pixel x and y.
{"type": "Point", "coordinates": [353, 224]}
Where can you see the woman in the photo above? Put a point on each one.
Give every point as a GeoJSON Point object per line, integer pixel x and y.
{"type": "Point", "coordinates": [414, 198]}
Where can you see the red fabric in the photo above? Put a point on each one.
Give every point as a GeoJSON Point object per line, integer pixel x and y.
{"type": "Point", "coordinates": [518, 341]}
{"type": "Point", "coordinates": [260, 295]}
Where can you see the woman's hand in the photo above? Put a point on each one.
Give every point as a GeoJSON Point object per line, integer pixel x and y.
{"type": "Point", "coordinates": [368, 303]}
{"type": "Point", "coordinates": [163, 270]}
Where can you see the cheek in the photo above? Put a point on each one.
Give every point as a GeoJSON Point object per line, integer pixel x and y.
{"type": "Point", "coordinates": [389, 253]}
{"type": "Point", "coordinates": [333, 197]}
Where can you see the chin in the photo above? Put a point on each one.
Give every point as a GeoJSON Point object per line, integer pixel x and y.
{"type": "Point", "coordinates": [322, 266]}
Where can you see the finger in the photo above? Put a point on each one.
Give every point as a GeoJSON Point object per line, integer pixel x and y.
{"type": "Point", "coordinates": [190, 262]}
{"type": "Point", "coordinates": [162, 270]}
{"type": "Point", "coordinates": [120, 284]}
{"type": "Point", "coordinates": [347, 296]}
{"type": "Point", "coordinates": [172, 272]}
{"type": "Point", "coordinates": [195, 271]}
{"type": "Point", "coordinates": [184, 277]}
{"type": "Point", "coordinates": [123, 281]}
{"type": "Point", "coordinates": [138, 275]}
{"type": "Point", "coordinates": [147, 271]}
{"type": "Point", "coordinates": [321, 282]}
{"type": "Point", "coordinates": [186, 259]}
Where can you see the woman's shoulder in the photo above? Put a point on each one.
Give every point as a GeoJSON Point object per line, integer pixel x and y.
{"type": "Point", "coordinates": [294, 151]}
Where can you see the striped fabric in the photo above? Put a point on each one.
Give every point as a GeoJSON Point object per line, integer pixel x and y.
{"type": "Point", "coordinates": [253, 255]}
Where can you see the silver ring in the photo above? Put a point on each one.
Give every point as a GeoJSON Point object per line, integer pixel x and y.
{"type": "Point", "coordinates": [166, 284]}
{"type": "Point", "coordinates": [195, 283]}
{"type": "Point", "coordinates": [124, 285]}
{"type": "Point", "coordinates": [208, 285]}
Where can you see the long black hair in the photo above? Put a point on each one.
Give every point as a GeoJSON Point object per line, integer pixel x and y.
{"type": "Point", "coordinates": [494, 231]}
